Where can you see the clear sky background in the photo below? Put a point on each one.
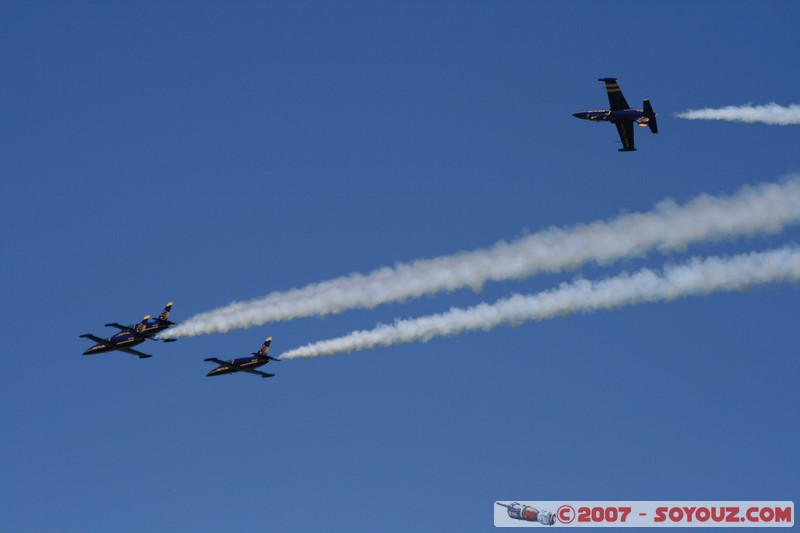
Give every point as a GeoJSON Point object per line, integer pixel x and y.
{"type": "Point", "coordinates": [208, 152]}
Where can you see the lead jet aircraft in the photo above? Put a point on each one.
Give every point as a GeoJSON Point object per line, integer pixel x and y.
{"type": "Point", "coordinates": [621, 115]}
{"type": "Point", "coordinates": [132, 335]}
{"type": "Point", "coordinates": [245, 364]}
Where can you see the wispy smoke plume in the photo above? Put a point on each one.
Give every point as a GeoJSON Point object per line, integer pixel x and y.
{"type": "Point", "coordinates": [771, 113]}
{"type": "Point", "coordinates": [695, 277]}
{"type": "Point", "coordinates": [763, 208]}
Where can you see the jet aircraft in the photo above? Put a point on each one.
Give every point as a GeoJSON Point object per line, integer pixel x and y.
{"type": "Point", "coordinates": [245, 364]}
{"type": "Point", "coordinates": [621, 115]}
{"type": "Point", "coordinates": [132, 335]}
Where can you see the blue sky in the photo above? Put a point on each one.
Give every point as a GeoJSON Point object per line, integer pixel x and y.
{"type": "Point", "coordinates": [210, 152]}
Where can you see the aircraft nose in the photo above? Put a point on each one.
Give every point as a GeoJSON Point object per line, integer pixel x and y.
{"type": "Point", "coordinates": [579, 115]}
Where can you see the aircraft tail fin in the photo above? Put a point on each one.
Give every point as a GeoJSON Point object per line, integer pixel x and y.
{"type": "Point", "coordinates": [143, 324]}
{"type": "Point", "coordinates": [165, 313]}
{"type": "Point", "coordinates": [650, 115]}
{"type": "Point", "coordinates": [264, 347]}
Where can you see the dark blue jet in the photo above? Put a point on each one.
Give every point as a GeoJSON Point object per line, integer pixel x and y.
{"type": "Point", "coordinates": [245, 364]}
{"type": "Point", "coordinates": [621, 115]}
{"type": "Point", "coordinates": [132, 335]}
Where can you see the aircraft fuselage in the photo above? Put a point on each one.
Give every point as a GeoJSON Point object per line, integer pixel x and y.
{"type": "Point", "coordinates": [609, 115]}
{"type": "Point", "coordinates": [121, 339]}
{"type": "Point", "coordinates": [129, 339]}
{"type": "Point", "coordinates": [244, 362]}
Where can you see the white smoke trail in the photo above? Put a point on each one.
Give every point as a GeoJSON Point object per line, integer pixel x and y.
{"type": "Point", "coordinates": [767, 208]}
{"type": "Point", "coordinates": [698, 276]}
{"type": "Point", "coordinates": [771, 113]}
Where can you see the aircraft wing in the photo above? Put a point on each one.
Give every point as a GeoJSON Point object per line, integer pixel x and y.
{"type": "Point", "coordinates": [625, 130]}
{"type": "Point", "coordinates": [238, 368]}
{"type": "Point", "coordinates": [134, 352]}
{"type": "Point", "coordinates": [120, 326]}
{"type": "Point", "coordinates": [615, 98]}
{"type": "Point", "coordinates": [112, 346]}
{"type": "Point", "coordinates": [98, 340]}
{"type": "Point", "coordinates": [257, 372]}
{"type": "Point", "coordinates": [220, 362]}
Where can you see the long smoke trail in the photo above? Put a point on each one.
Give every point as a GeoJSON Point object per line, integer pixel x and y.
{"type": "Point", "coordinates": [771, 113]}
{"type": "Point", "coordinates": [767, 208]}
{"type": "Point", "coordinates": [698, 276]}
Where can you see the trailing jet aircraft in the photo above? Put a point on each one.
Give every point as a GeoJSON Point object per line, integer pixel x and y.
{"type": "Point", "coordinates": [132, 335]}
{"type": "Point", "coordinates": [621, 115]}
{"type": "Point", "coordinates": [245, 364]}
